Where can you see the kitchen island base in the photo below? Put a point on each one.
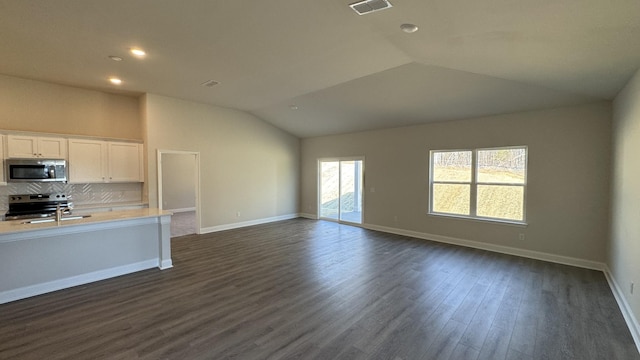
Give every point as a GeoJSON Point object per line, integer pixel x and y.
{"type": "Point", "coordinates": [47, 257]}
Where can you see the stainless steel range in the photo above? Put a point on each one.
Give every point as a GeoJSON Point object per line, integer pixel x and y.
{"type": "Point", "coordinates": [34, 206]}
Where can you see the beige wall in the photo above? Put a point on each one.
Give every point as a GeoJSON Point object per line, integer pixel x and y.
{"type": "Point", "coordinates": [246, 164]}
{"type": "Point", "coordinates": [624, 247]}
{"type": "Point", "coordinates": [29, 105]}
{"type": "Point", "coordinates": [568, 175]}
{"type": "Point", "coordinates": [178, 181]}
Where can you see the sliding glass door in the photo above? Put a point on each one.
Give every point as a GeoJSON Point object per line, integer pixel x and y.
{"type": "Point", "coordinates": [340, 192]}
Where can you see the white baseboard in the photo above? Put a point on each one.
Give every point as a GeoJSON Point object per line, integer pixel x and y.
{"type": "Point", "coordinates": [566, 260]}
{"type": "Point", "coordinates": [247, 223]}
{"type": "Point", "coordinates": [166, 264]}
{"type": "Point", "coordinates": [627, 313]}
{"type": "Point", "coordinates": [181, 210]}
{"type": "Point", "coordinates": [55, 285]}
{"type": "Point", "coordinates": [308, 216]}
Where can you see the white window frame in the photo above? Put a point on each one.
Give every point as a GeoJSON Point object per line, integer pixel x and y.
{"type": "Point", "coordinates": [319, 187]}
{"type": "Point", "coordinates": [474, 186]}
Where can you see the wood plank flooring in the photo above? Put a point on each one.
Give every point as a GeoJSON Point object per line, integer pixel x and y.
{"type": "Point", "coordinates": [304, 289]}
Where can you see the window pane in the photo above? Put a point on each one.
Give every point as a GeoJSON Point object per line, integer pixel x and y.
{"type": "Point", "coordinates": [502, 166]}
{"type": "Point", "coordinates": [501, 202]}
{"type": "Point", "coordinates": [351, 191]}
{"type": "Point", "coordinates": [329, 191]}
{"type": "Point", "coordinates": [452, 166]}
{"type": "Point", "coordinates": [451, 199]}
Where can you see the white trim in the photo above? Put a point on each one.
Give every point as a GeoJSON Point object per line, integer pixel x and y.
{"type": "Point", "coordinates": [479, 219]}
{"type": "Point", "coordinates": [247, 223]}
{"type": "Point", "coordinates": [55, 285]}
{"type": "Point", "coordinates": [625, 308]}
{"type": "Point", "coordinates": [198, 208]}
{"type": "Point", "coordinates": [81, 228]}
{"type": "Point", "coordinates": [181, 210]}
{"type": "Point", "coordinates": [474, 183]}
{"type": "Point", "coordinates": [363, 187]}
{"type": "Point", "coordinates": [538, 255]}
{"type": "Point", "coordinates": [165, 219]}
{"type": "Point", "coordinates": [308, 216]}
{"type": "Point", "coordinates": [165, 264]}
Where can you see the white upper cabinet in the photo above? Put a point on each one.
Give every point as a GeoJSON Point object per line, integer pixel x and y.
{"type": "Point", "coordinates": [92, 161]}
{"type": "Point", "coordinates": [125, 162]}
{"type": "Point", "coordinates": [3, 180]}
{"type": "Point", "coordinates": [25, 147]}
{"type": "Point", "coordinates": [87, 161]}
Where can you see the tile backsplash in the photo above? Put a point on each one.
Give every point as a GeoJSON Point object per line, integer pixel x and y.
{"type": "Point", "coordinates": [81, 194]}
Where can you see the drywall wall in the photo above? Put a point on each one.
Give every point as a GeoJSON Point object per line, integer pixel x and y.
{"type": "Point", "coordinates": [29, 105]}
{"type": "Point", "coordinates": [178, 181]}
{"type": "Point", "coordinates": [246, 164]}
{"type": "Point", "coordinates": [624, 247]}
{"type": "Point", "coordinates": [36, 106]}
{"type": "Point", "coordinates": [568, 177]}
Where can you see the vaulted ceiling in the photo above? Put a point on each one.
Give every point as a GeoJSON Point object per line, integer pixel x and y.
{"type": "Point", "coordinates": [316, 67]}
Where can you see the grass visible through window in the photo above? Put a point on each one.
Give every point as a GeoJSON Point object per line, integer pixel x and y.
{"type": "Point", "coordinates": [485, 183]}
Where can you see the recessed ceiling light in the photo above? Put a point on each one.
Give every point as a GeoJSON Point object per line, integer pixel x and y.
{"type": "Point", "coordinates": [115, 80]}
{"type": "Point", "coordinates": [409, 28]}
{"type": "Point", "coordinates": [115, 58]}
{"type": "Point", "coordinates": [137, 52]}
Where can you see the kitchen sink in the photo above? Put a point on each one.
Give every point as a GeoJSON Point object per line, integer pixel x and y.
{"type": "Point", "coordinates": [64, 218]}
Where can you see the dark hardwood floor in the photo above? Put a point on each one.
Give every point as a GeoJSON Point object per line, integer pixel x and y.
{"type": "Point", "coordinates": [320, 290]}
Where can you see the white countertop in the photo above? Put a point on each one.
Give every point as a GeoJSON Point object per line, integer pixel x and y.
{"type": "Point", "coordinates": [18, 226]}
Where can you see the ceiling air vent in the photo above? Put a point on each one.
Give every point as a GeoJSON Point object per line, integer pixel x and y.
{"type": "Point", "coordinates": [369, 6]}
{"type": "Point", "coordinates": [210, 83]}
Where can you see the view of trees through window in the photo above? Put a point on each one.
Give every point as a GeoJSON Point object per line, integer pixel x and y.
{"type": "Point", "coordinates": [485, 183]}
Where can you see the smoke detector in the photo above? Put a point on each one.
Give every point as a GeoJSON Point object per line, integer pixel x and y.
{"type": "Point", "coordinates": [369, 6]}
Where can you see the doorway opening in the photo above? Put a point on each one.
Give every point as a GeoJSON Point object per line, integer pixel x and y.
{"type": "Point", "coordinates": [340, 195]}
{"type": "Point", "coordinates": [179, 188]}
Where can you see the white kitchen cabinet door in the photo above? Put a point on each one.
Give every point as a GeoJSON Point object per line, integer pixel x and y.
{"type": "Point", "coordinates": [25, 147]}
{"type": "Point", "coordinates": [87, 161]}
{"type": "Point", "coordinates": [22, 147]}
{"type": "Point", "coordinates": [52, 148]}
{"type": "Point", "coordinates": [125, 162]}
{"type": "Point", "coordinates": [3, 179]}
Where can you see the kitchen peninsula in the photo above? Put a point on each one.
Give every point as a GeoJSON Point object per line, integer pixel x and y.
{"type": "Point", "coordinates": [36, 258]}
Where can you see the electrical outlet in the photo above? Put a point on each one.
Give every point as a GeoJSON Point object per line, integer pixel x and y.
{"type": "Point", "coordinates": [395, 218]}
{"type": "Point", "coordinates": [373, 189]}
{"type": "Point", "coordinates": [521, 237]}
{"type": "Point", "coordinates": [238, 214]}
{"type": "Point", "coordinates": [631, 288]}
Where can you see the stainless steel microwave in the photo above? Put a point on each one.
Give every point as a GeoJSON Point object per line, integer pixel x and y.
{"type": "Point", "coordinates": [36, 170]}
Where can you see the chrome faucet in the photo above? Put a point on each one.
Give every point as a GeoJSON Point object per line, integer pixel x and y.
{"type": "Point", "coordinates": [58, 213]}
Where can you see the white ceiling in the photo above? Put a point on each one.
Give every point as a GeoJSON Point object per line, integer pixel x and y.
{"type": "Point", "coordinates": [343, 71]}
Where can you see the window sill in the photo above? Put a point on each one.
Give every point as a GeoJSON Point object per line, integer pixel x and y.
{"type": "Point", "coordinates": [480, 219]}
